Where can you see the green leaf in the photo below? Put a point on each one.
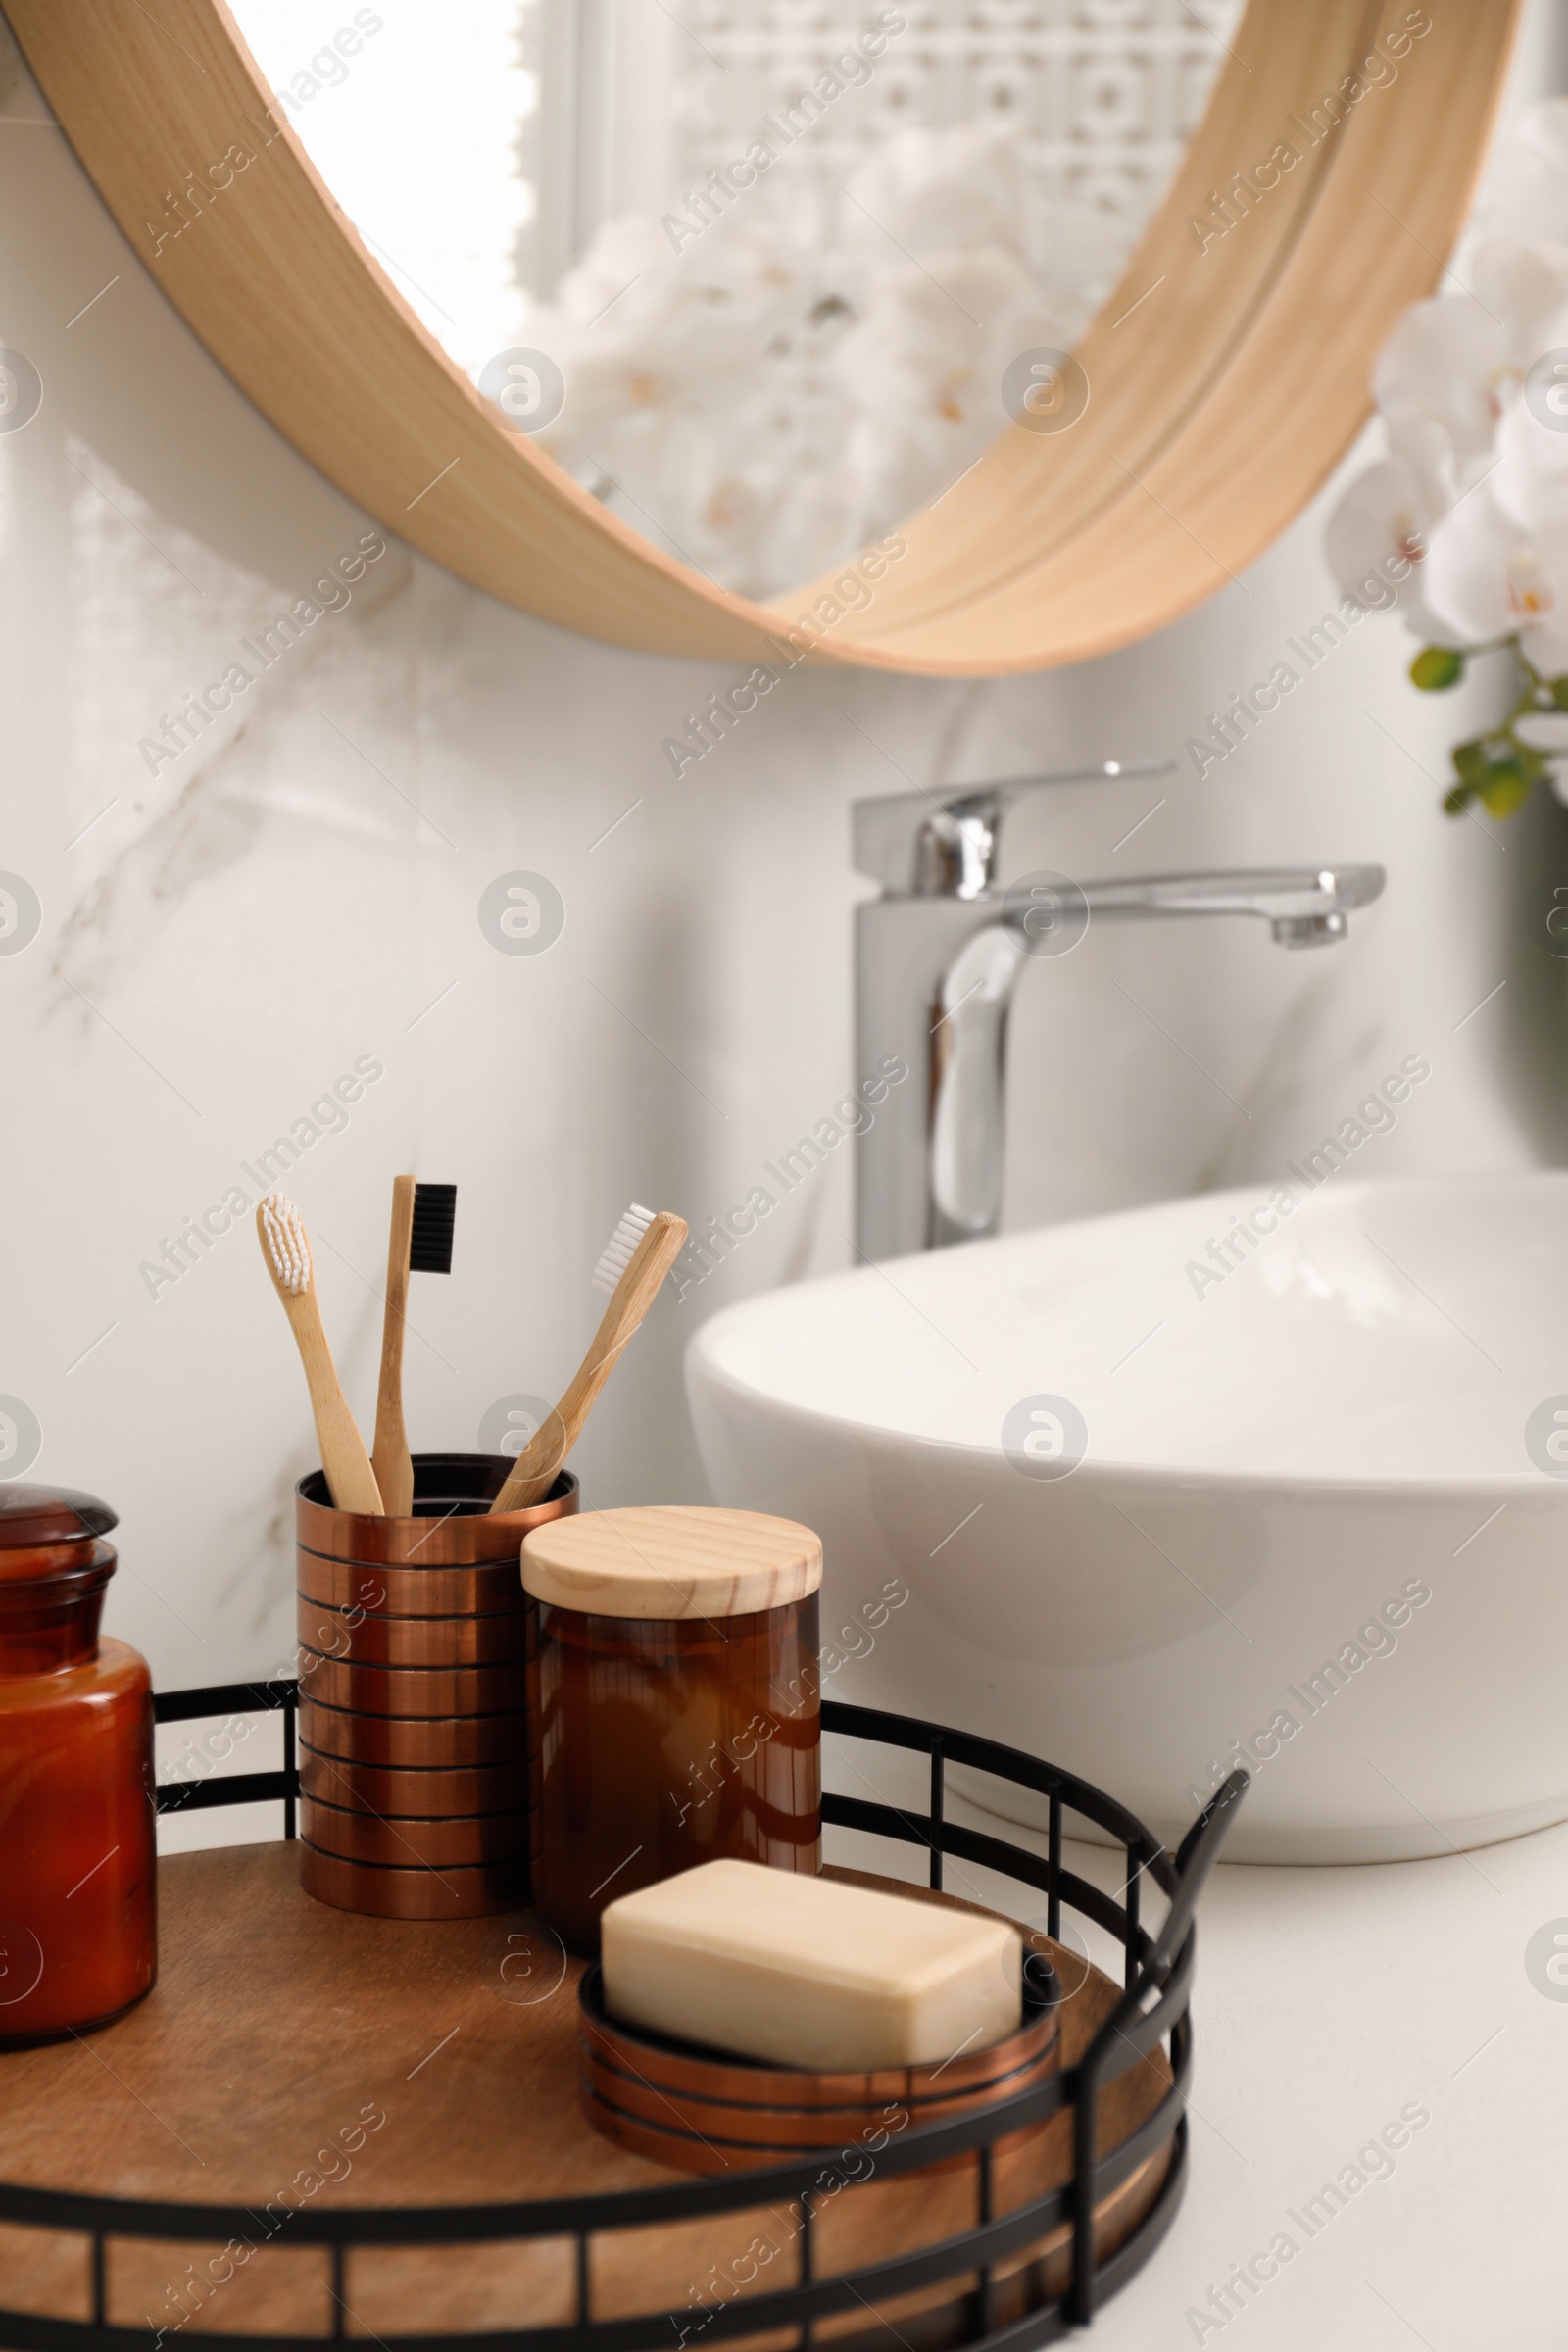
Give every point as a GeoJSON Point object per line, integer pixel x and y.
{"type": "Point", "coordinates": [1471, 764]}
{"type": "Point", "coordinates": [1454, 802]}
{"type": "Point", "coordinates": [1436, 666]}
{"type": "Point", "coordinates": [1559, 693]}
{"type": "Point", "coordinates": [1507, 787]}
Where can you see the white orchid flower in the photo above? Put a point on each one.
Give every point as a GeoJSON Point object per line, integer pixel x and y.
{"type": "Point", "coordinates": [1526, 191]}
{"type": "Point", "coordinates": [1382, 523]}
{"type": "Point", "coordinates": [1473, 390]}
{"type": "Point", "coordinates": [1530, 476]}
{"type": "Point", "coordinates": [1449, 361]}
{"type": "Point", "coordinates": [1485, 576]}
{"type": "Point", "coordinates": [1525, 289]}
{"type": "Point", "coordinates": [1543, 730]}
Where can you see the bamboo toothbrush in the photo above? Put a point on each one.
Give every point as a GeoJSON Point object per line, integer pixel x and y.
{"type": "Point", "coordinates": [638, 1255]}
{"type": "Point", "coordinates": [349, 1480]}
{"type": "Point", "coordinates": [422, 1220]}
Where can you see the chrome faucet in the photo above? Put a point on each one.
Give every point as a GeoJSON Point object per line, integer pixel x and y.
{"type": "Point", "coordinates": [939, 954]}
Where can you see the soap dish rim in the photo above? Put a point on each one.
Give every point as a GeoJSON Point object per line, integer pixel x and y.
{"type": "Point", "coordinates": [1040, 2025]}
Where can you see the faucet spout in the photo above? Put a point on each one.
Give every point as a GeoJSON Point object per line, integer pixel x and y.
{"type": "Point", "coordinates": [1303, 906]}
{"type": "Point", "coordinates": [937, 960]}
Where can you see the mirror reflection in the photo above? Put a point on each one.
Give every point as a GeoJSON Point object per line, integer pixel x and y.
{"type": "Point", "coordinates": [764, 278]}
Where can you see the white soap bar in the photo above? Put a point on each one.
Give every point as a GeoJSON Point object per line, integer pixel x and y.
{"type": "Point", "coordinates": [808, 1972]}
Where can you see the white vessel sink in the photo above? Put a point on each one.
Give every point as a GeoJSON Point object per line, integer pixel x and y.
{"type": "Point", "coordinates": [1304, 1520]}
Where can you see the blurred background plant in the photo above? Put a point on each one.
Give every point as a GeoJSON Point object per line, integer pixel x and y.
{"type": "Point", "coordinates": [1472, 389]}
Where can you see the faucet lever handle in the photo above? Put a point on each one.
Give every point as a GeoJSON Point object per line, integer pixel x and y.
{"type": "Point", "coordinates": [943, 844]}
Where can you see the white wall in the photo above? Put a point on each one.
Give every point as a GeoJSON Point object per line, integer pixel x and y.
{"type": "Point", "coordinates": [220, 942]}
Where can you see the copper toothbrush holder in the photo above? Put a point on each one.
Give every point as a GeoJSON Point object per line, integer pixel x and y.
{"type": "Point", "coordinates": [413, 1738]}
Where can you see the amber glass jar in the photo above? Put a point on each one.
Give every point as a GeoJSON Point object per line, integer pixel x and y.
{"type": "Point", "coordinates": [78, 1859]}
{"type": "Point", "coordinates": [673, 1713]}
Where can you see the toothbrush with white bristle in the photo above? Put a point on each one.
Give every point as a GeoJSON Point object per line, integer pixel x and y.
{"type": "Point", "coordinates": [619, 1248]}
{"type": "Point", "coordinates": [638, 1255]}
{"type": "Point", "coordinates": [286, 1248]}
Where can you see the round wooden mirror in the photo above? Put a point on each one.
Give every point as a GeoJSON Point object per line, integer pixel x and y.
{"type": "Point", "coordinates": [1097, 476]}
{"type": "Point", "coordinates": [763, 279]}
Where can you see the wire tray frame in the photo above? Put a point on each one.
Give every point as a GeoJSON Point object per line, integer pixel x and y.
{"type": "Point", "coordinates": [1153, 2009]}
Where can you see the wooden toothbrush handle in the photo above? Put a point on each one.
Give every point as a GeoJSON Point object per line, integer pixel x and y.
{"type": "Point", "coordinates": [394, 1471]}
{"type": "Point", "coordinates": [349, 1479]}
{"type": "Point", "coordinates": [534, 1472]}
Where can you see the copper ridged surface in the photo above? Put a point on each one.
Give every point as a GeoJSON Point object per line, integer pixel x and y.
{"type": "Point", "coordinates": [438, 1537]}
{"type": "Point", "coordinates": [403, 1742]}
{"type": "Point", "coordinates": [357, 1639]}
{"type": "Point", "coordinates": [706, 2113]}
{"type": "Point", "coordinates": [412, 1635]}
{"type": "Point", "coordinates": [447, 1893]}
{"type": "Point", "coordinates": [489, 1589]}
{"type": "Point", "coordinates": [428, 1796]}
{"type": "Point", "coordinates": [414, 1845]}
{"type": "Point", "coordinates": [431, 1691]}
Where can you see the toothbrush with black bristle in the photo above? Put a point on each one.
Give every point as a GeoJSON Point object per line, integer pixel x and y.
{"type": "Point", "coordinates": [423, 1216]}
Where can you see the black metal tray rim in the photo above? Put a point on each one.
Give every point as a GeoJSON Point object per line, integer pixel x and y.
{"type": "Point", "coordinates": [1158, 1975]}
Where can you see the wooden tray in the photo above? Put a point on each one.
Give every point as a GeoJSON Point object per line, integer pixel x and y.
{"type": "Point", "coordinates": [292, 2052]}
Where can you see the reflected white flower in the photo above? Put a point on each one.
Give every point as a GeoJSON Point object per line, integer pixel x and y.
{"type": "Point", "coordinates": [936, 190]}
{"type": "Point", "coordinates": [921, 372]}
{"type": "Point", "coordinates": [790, 386]}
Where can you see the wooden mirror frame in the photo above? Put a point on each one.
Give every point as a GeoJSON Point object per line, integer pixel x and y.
{"type": "Point", "coordinates": [1227, 374]}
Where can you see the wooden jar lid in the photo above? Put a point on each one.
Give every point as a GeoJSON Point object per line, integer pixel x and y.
{"type": "Point", "coordinates": [671, 1561]}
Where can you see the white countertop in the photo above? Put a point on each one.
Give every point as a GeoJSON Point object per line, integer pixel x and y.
{"type": "Point", "coordinates": [1326, 2002]}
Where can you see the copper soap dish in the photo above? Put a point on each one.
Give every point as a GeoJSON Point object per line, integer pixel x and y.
{"type": "Point", "coordinates": [701, 2111]}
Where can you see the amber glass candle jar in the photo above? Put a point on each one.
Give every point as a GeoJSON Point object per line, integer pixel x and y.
{"type": "Point", "coordinates": [674, 1712]}
{"type": "Point", "coordinates": [78, 1858]}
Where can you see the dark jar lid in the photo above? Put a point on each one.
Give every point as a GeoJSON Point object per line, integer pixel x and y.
{"type": "Point", "coordinates": [53, 1569]}
{"type": "Point", "coordinates": [34, 1517]}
